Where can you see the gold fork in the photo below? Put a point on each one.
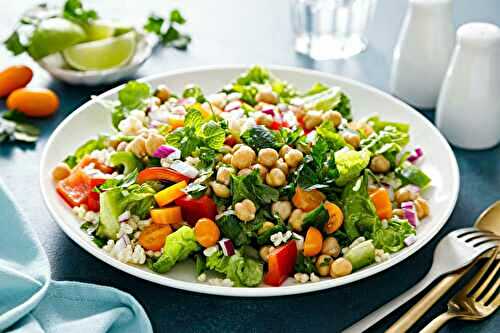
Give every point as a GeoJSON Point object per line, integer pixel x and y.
{"type": "Point", "coordinates": [475, 306]}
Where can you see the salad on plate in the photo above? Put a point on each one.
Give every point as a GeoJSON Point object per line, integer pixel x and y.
{"type": "Point", "coordinates": [255, 183]}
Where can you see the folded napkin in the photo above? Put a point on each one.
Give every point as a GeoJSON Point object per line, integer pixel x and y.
{"type": "Point", "coordinates": [31, 302]}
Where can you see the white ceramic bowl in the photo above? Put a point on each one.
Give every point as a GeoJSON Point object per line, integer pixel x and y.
{"type": "Point", "coordinates": [56, 66]}
{"type": "Point", "coordinates": [91, 118]}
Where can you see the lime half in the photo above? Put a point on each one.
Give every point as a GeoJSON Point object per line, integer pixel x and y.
{"type": "Point", "coordinates": [99, 29]}
{"type": "Point", "coordinates": [102, 54]}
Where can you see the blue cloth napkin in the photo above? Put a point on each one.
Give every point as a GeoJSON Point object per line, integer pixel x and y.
{"type": "Point", "coordinates": [31, 302]}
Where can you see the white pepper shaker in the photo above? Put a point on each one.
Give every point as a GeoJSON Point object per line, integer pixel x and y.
{"type": "Point", "coordinates": [468, 111]}
{"type": "Point", "coordinates": [423, 52]}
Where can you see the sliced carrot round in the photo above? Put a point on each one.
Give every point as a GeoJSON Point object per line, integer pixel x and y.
{"type": "Point", "coordinates": [153, 237]}
{"type": "Point", "coordinates": [336, 217]}
{"type": "Point", "coordinates": [313, 242]}
{"type": "Point", "coordinates": [206, 232]}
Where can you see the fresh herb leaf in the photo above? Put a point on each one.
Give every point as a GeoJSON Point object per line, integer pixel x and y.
{"type": "Point", "coordinates": [259, 137]}
{"type": "Point", "coordinates": [74, 11]}
{"type": "Point", "coordinates": [200, 264]}
{"type": "Point", "coordinates": [14, 127]}
{"type": "Point", "coordinates": [134, 95]}
{"type": "Point", "coordinates": [230, 227]}
{"type": "Point", "coordinates": [304, 264]}
{"type": "Point", "coordinates": [14, 45]}
{"type": "Point", "coordinates": [264, 238]}
{"type": "Point", "coordinates": [195, 92]}
{"type": "Point", "coordinates": [168, 33]}
{"type": "Point", "coordinates": [251, 187]}
{"type": "Point", "coordinates": [176, 17]}
{"type": "Point", "coordinates": [195, 190]}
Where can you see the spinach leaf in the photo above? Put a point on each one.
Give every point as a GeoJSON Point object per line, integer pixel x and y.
{"type": "Point", "coordinates": [230, 227]}
{"type": "Point", "coordinates": [359, 212]}
{"type": "Point", "coordinates": [316, 218]}
{"type": "Point", "coordinates": [259, 137]}
{"type": "Point", "coordinates": [251, 187]}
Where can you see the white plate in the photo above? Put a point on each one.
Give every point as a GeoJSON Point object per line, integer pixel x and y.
{"type": "Point", "coordinates": [91, 118]}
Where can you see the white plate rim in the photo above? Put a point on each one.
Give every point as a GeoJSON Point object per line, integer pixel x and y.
{"type": "Point", "coordinates": [75, 235]}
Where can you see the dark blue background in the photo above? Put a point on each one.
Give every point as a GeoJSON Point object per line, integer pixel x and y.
{"type": "Point", "coordinates": [248, 32]}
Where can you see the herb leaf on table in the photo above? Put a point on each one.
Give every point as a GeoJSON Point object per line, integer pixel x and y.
{"type": "Point", "coordinates": [169, 35]}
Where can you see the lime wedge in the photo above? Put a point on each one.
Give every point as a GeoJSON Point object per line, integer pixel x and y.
{"type": "Point", "coordinates": [54, 35]}
{"type": "Point", "coordinates": [102, 54]}
{"type": "Point", "coordinates": [121, 28]}
{"type": "Point", "coordinates": [99, 29]}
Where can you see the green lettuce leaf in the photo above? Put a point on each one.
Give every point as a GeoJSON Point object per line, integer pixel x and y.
{"type": "Point", "coordinates": [256, 74]}
{"type": "Point", "coordinates": [85, 149]}
{"type": "Point", "coordinates": [350, 163]}
{"type": "Point", "coordinates": [391, 238]}
{"type": "Point", "coordinates": [359, 212]}
{"type": "Point", "coordinates": [178, 246]}
{"type": "Point", "coordinates": [240, 270]}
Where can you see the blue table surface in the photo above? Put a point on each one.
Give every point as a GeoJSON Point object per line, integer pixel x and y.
{"type": "Point", "coordinates": [248, 32]}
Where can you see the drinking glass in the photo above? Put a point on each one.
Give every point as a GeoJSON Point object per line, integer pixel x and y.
{"type": "Point", "coordinates": [331, 29]}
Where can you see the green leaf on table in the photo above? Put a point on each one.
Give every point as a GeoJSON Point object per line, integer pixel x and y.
{"type": "Point", "coordinates": [14, 45]}
{"type": "Point", "coordinates": [176, 17]}
{"type": "Point", "coordinates": [73, 10]}
{"type": "Point", "coordinates": [169, 35]}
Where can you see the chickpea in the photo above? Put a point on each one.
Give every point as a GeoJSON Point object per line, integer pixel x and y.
{"type": "Point", "coordinates": [380, 164]}
{"type": "Point", "coordinates": [285, 149]}
{"type": "Point", "coordinates": [281, 164]}
{"type": "Point", "coordinates": [296, 219]}
{"type": "Point", "coordinates": [299, 111]}
{"type": "Point", "coordinates": [269, 97]}
{"type": "Point", "coordinates": [351, 138]}
{"type": "Point", "coordinates": [268, 157]}
{"type": "Point", "coordinates": [153, 142]}
{"type": "Point", "coordinates": [422, 207]}
{"type": "Point", "coordinates": [323, 264]}
{"type": "Point", "coordinates": [282, 208]}
{"type": "Point", "coordinates": [399, 213]}
{"type": "Point", "coordinates": [137, 146]}
{"type": "Point", "coordinates": [245, 210]}
{"type": "Point", "coordinates": [163, 93]}
{"type": "Point", "coordinates": [404, 194]}
{"type": "Point", "coordinates": [265, 251]}
{"type": "Point", "coordinates": [121, 146]}
{"type": "Point", "coordinates": [224, 175]}
{"type": "Point", "coordinates": [262, 170]}
{"type": "Point", "coordinates": [61, 171]}
{"type": "Point", "coordinates": [244, 172]}
{"type": "Point", "coordinates": [275, 178]}
{"type": "Point", "coordinates": [236, 147]}
{"type": "Point", "coordinates": [331, 247]}
{"type": "Point", "coordinates": [293, 158]}
{"type": "Point", "coordinates": [227, 158]}
{"type": "Point", "coordinates": [264, 119]}
{"type": "Point", "coordinates": [220, 190]}
{"type": "Point", "coordinates": [334, 116]}
{"type": "Point", "coordinates": [243, 157]}
{"type": "Point", "coordinates": [312, 119]}
{"type": "Point", "coordinates": [265, 227]}
{"type": "Point", "coordinates": [340, 267]}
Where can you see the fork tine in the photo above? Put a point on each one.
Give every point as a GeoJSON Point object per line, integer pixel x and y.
{"type": "Point", "coordinates": [483, 239]}
{"type": "Point", "coordinates": [462, 231]}
{"type": "Point", "coordinates": [474, 235]}
{"type": "Point", "coordinates": [486, 246]}
{"type": "Point", "coordinates": [476, 278]}
{"type": "Point", "coordinates": [492, 290]}
{"type": "Point", "coordinates": [487, 281]}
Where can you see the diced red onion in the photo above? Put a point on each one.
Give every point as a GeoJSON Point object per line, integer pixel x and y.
{"type": "Point", "coordinates": [410, 213]}
{"type": "Point", "coordinates": [268, 110]}
{"type": "Point", "coordinates": [124, 216]}
{"type": "Point", "coordinates": [184, 168]}
{"type": "Point", "coordinates": [232, 106]}
{"type": "Point", "coordinates": [415, 155]}
{"type": "Point", "coordinates": [227, 246]}
{"type": "Point", "coordinates": [413, 188]}
{"type": "Point", "coordinates": [164, 151]}
{"type": "Point", "coordinates": [410, 240]}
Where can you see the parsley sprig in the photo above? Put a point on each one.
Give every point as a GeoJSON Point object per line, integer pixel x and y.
{"type": "Point", "coordinates": [167, 30]}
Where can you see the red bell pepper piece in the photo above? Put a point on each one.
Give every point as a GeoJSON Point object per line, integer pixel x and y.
{"type": "Point", "coordinates": [230, 141]}
{"type": "Point", "coordinates": [93, 197]}
{"type": "Point", "coordinates": [75, 188]}
{"type": "Point", "coordinates": [160, 173]}
{"type": "Point", "coordinates": [280, 264]}
{"type": "Point", "coordinates": [195, 209]}
{"type": "Point", "coordinates": [97, 165]}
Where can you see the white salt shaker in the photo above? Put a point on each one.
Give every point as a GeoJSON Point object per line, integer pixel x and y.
{"type": "Point", "coordinates": [423, 52]}
{"type": "Point", "coordinates": [468, 111]}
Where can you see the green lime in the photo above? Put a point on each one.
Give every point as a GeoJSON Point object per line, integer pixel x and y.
{"type": "Point", "coordinates": [121, 28]}
{"type": "Point", "coordinates": [99, 29]}
{"type": "Point", "coordinates": [102, 54]}
{"type": "Point", "coordinates": [54, 35]}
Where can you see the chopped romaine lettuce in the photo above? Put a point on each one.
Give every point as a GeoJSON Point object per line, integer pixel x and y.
{"type": "Point", "coordinates": [178, 246]}
{"type": "Point", "coordinates": [350, 163]}
{"type": "Point", "coordinates": [359, 212]}
{"type": "Point", "coordinates": [391, 238]}
{"type": "Point", "coordinates": [240, 270]}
